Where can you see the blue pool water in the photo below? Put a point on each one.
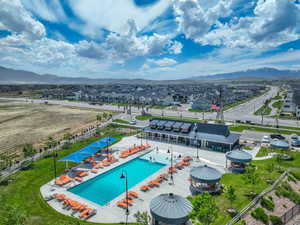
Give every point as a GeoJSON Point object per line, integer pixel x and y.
{"type": "Point", "coordinates": [107, 186]}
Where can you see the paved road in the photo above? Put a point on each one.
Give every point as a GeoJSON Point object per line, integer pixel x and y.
{"type": "Point", "coordinates": [241, 112]}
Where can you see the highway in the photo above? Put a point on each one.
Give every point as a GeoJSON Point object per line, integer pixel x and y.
{"type": "Point", "coordinates": [243, 112]}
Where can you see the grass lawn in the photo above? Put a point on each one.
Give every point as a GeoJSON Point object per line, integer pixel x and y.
{"type": "Point", "coordinates": [241, 128]}
{"type": "Point", "coordinates": [169, 118]}
{"type": "Point", "coordinates": [264, 110]}
{"type": "Point", "coordinates": [157, 106]}
{"type": "Point", "coordinates": [266, 170]}
{"type": "Point", "coordinates": [23, 189]}
{"type": "Point", "coordinates": [121, 121]}
{"type": "Point", "coordinates": [277, 104]}
{"type": "Point", "coordinates": [200, 110]}
{"type": "Point", "coordinates": [264, 151]}
{"type": "Point", "coordinates": [143, 117]}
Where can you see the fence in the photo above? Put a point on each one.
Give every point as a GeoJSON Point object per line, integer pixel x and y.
{"type": "Point", "coordinates": [256, 199]}
{"type": "Point", "coordinates": [290, 214]}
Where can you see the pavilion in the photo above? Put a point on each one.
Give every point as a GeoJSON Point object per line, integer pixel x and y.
{"type": "Point", "coordinates": [170, 209]}
{"type": "Point", "coordinates": [238, 160]}
{"type": "Point", "coordinates": [205, 179]}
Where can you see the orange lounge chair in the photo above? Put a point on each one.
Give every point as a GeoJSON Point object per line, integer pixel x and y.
{"type": "Point", "coordinates": [133, 194]}
{"type": "Point", "coordinates": [122, 205]}
{"type": "Point", "coordinates": [90, 214]}
{"type": "Point", "coordinates": [79, 179]}
{"type": "Point", "coordinates": [172, 169]}
{"type": "Point", "coordinates": [128, 201]}
{"type": "Point", "coordinates": [59, 197]}
{"type": "Point", "coordinates": [82, 174]}
{"type": "Point", "coordinates": [94, 170]}
{"type": "Point", "coordinates": [99, 166]}
{"type": "Point", "coordinates": [84, 213]}
{"type": "Point", "coordinates": [153, 184]}
{"type": "Point", "coordinates": [144, 188]}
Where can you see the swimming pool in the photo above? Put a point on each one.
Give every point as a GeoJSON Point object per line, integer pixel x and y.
{"type": "Point", "coordinates": [107, 186]}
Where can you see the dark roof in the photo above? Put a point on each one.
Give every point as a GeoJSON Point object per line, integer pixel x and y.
{"type": "Point", "coordinates": [206, 174]}
{"type": "Point", "coordinates": [186, 126]}
{"type": "Point", "coordinates": [218, 129]}
{"type": "Point", "coordinates": [239, 156]}
{"type": "Point", "coordinates": [170, 209]}
{"type": "Point", "coordinates": [169, 123]}
{"type": "Point", "coordinates": [178, 124]}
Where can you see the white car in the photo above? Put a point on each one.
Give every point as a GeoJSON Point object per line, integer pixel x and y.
{"type": "Point", "coordinates": [132, 122]}
{"type": "Point", "coordinates": [265, 140]}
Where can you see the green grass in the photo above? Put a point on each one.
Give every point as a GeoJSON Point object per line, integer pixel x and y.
{"type": "Point", "coordinates": [200, 110]}
{"type": "Point", "coordinates": [247, 148]}
{"type": "Point", "coordinates": [264, 151]}
{"type": "Point", "coordinates": [277, 104]}
{"type": "Point", "coordinates": [121, 121]}
{"type": "Point", "coordinates": [264, 110]}
{"type": "Point", "coordinates": [23, 190]}
{"type": "Point", "coordinates": [157, 106]}
{"type": "Point", "coordinates": [241, 128]}
{"type": "Point", "coordinates": [143, 117]}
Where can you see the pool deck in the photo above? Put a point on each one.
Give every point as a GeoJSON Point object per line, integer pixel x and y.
{"type": "Point", "coordinates": [110, 213]}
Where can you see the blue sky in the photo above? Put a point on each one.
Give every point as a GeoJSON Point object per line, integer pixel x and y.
{"type": "Point", "coordinates": [151, 39]}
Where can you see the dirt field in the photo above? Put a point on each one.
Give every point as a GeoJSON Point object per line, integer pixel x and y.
{"type": "Point", "coordinates": [31, 123]}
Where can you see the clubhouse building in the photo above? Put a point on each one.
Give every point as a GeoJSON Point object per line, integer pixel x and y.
{"type": "Point", "coordinates": [215, 137]}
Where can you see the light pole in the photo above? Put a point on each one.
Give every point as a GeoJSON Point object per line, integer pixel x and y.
{"type": "Point", "coordinates": [108, 142]}
{"type": "Point", "coordinates": [54, 164]}
{"type": "Point", "coordinates": [196, 141]}
{"type": "Point", "coordinates": [171, 165]}
{"type": "Point", "coordinates": [125, 176]}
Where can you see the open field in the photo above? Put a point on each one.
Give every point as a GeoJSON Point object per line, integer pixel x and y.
{"type": "Point", "coordinates": [31, 123]}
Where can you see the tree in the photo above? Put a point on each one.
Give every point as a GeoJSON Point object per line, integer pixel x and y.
{"type": "Point", "coordinates": [29, 150]}
{"type": "Point", "coordinates": [204, 208]}
{"type": "Point", "coordinates": [99, 117]}
{"type": "Point", "coordinates": [230, 195]}
{"type": "Point", "coordinates": [50, 142]}
{"type": "Point", "coordinates": [67, 136]}
{"type": "Point", "coordinates": [142, 218]}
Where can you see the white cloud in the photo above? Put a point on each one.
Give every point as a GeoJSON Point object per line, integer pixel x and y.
{"type": "Point", "coordinates": [47, 10]}
{"type": "Point", "coordinates": [196, 17]}
{"type": "Point", "coordinates": [113, 15]}
{"type": "Point", "coordinates": [117, 46]}
{"type": "Point", "coordinates": [274, 22]}
{"type": "Point", "coordinates": [162, 62]}
{"type": "Point", "coordinates": [16, 19]}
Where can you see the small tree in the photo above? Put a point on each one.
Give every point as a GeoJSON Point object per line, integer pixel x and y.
{"type": "Point", "coordinates": [204, 208]}
{"type": "Point", "coordinates": [230, 195]}
{"type": "Point", "coordinates": [99, 117]}
{"type": "Point", "coordinates": [67, 136]}
{"type": "Point", "coordinates": [251, 175]}
{"type": "Point", "coordinates": [29, 150]}
{"type": "Point", "coordinates": [142, 218]}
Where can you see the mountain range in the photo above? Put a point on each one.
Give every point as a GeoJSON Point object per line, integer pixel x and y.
{"type": "Point", "coordinates": [11, 76]}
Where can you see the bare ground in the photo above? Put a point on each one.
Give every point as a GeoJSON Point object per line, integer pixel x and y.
{"type": "Point", "coordinates": [34, 123]}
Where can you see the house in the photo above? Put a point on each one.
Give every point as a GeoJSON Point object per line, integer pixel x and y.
{"type": "Point", "coordinates": [202, 104]}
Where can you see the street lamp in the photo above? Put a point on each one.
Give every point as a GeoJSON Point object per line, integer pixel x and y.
{"type": "Point", "coordinates": [54, 164]}
{"type": "Point", "coordinates": [196, 141]}
{"type": "Point", "coordinates": [108, 142]}
{"type": "Point", "coordinates": [125, 176]}
{"type": "Point", "coordinates": [171, 164]}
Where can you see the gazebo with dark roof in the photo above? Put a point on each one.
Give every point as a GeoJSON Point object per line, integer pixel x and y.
{"type": "Point", "coordinates": [170, 209]}
{"type": "Point", "coordinates": [205, 179]}
{"type": "Point", "coordinates": [238, 160]}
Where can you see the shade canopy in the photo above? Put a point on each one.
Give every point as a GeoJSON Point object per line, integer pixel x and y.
{"type": "Point", "coordinates": [280, 144]}
{"type": "Point", "coordinates": [205, 174]}
{"type": "Point", "coordinates": [89, 150]}
{"type": "Point", "coordinates": [170, 209]}
{"type": "Point", "coordinates": [239, 156]}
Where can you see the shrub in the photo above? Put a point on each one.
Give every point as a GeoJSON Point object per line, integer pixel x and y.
{"type": "Point", "coordinates": [267, 203]}
{"type": "Point", "coordinates": [275, 220]}
{"type": "Point", "coordinates": [259, 214]}
{"type": "Point", "coordinates": [295, 174]}
{"type": "Point", "coordinates": [291, 178]}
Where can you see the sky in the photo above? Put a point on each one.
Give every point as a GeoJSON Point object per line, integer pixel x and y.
{"type": "Point", "coordinates": [148, 39]}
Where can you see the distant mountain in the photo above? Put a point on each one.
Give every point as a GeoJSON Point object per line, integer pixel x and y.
{"type": "Point", "coordinates": [11, 76]}
{"type": "Point", "coordinates": [262, 73]}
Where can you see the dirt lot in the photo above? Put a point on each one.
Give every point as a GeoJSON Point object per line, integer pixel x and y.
{"type": "Point", "coordinates": [32, 123]}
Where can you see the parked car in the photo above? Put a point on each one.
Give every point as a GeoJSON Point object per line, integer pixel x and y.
{"type": "Point", "coordinates": [132, 122]}
{"type": "Point", "coordinates": [265, 140]}
{"type": "Point", "coordinates": [294, 137]}
{"type": "Point", "coordinates": [277, 136]}
{"type": "Point", "coordinates": [295, 143]}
